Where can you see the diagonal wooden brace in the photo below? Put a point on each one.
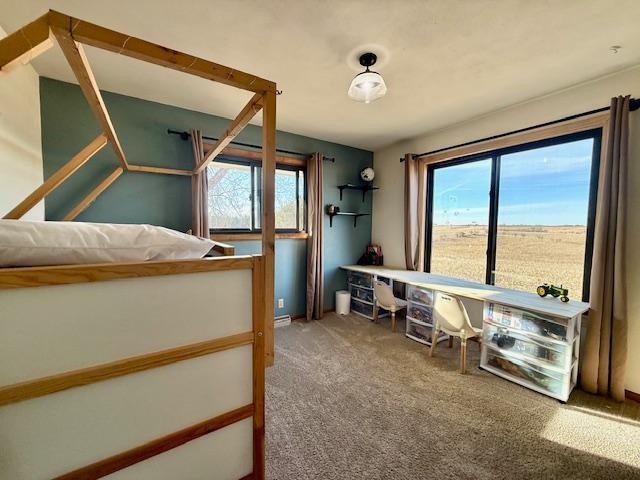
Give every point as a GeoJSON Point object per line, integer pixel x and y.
{"type": "Point", "coordinates": [57, 178]}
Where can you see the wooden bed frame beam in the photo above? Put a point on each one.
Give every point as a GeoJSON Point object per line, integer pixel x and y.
{"type": "Point", "coordinates": [40, 387]}
{"type": "Point", "coordinates": [25, 44]}
{"type": "Point", "coordinates": [268, 219]}
{"type": "Point", "coordinates": [224, 249]}
{"type": "Point", "coordinates": [77, 59]}
{"type": "Point", "coordinates": [107, 466]}
{"type": "Point", "coordinates": [28, 277]}
{"type": "Point", "coordinates": [160, 170]}
{"type": "Point", "coordinates": [244, 117]}
{"type": "Point", "coordinates": [106, 39]}
{"type": "Point", "coordinates": [57, 178]}
{"type": "Point", "coordinates": [89, 199]}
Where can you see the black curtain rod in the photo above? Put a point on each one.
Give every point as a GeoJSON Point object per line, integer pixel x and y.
{"type": "Point", "coordinates": [187, 135]}
{"type": "Point", "coordinates": [634, 104]}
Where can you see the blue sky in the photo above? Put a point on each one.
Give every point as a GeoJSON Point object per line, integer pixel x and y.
{"type": "Point", "coordinates": [545, 186]}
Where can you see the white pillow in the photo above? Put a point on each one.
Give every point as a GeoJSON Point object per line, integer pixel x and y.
{"type": "Point", "coordinates": [25, 243]}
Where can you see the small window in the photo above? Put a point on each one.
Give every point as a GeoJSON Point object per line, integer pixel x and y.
{"type": "Point", "coordinates": [230, 196]}
{"type": "Point", "coordinates": [289, 199]}
{"type": "Point", "coordinates": [235, 197]}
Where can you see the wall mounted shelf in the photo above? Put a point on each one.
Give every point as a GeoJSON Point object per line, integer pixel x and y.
{"type": "Point", "coordinates": [347, 214]}
{"type": "Point", "coordinates": [351, 186]}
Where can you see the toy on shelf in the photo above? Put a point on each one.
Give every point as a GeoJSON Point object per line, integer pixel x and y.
{"type": "Point", "coordinates": [554, 291]}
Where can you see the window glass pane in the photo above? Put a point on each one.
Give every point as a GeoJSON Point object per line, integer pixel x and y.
{"type": "Point", "coordinates": [257, 187]}
{"type": "Point", "coordinates": [301, 205]}
{"type": "Point", "coordinates": [461, 220]}
{"type": "Point", "coordinates": [542, 217]}
{"type": "Point", "coordinates": [229, 195]}
{"type": "Point", "coordinates": [286, 199]}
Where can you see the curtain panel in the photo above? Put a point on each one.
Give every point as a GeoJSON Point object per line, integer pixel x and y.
{"type": "Point", "coordinates": [315, 255]}
{"type": "Point", "coordinates": [605, 354]}
{"type": "Point", "coordinates": [415, 207]}
{"type": "Point", "coordinates": [199, 190]}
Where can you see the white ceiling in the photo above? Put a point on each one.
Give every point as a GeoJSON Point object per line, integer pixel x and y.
{"type": "Point", "coordinates": [444, 61]}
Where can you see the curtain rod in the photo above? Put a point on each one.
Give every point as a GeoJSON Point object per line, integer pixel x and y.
{"type": "Point", "coordinates": [634, 104]}
{"type": "Point", "coordinates": [187, 135]}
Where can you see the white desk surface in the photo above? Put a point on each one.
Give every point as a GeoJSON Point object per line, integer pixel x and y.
{"type": "Point", "coordinates": [478, 291]}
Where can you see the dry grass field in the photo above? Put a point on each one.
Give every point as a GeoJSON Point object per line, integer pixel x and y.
{"type": "Point", "coordinates": [527, 255]}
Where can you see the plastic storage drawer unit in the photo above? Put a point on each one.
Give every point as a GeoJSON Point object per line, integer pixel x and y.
{"type": "Point", "coordinates": [422, 296]}
{"type": "Point", "coordinates": [360, 279]}
{"type": "Point", "coordinates": [363, 294]}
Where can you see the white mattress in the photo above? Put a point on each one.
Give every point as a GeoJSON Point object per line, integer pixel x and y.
{"type": "Point", "coordinates": [36, 243]}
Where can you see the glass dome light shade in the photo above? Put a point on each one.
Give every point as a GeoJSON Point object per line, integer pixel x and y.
{"type": "Point", "coordinates": [367, 87]}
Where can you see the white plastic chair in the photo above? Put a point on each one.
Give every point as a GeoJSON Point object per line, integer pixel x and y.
{"type": "Point", "coordinates": [385, 299]}
{"type": "Point", "coordinates": [450, 316]}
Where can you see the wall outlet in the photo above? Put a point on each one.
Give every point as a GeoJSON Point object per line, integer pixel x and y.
{"type": "Point", "coordinates": [281, 303]}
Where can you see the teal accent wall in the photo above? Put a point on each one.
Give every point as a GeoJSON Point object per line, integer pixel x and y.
{"type": "Point", "coordinates": [68, 125]}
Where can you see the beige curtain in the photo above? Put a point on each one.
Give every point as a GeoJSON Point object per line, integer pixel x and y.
{"type": "Point", "coordinates": [605, 355]}
{"type": "Point", "coordinates": [414, 213]}
{"type": "Point", "coordinates": [315, 259]}
{"type": "Point", "coordinates": [199, 190]}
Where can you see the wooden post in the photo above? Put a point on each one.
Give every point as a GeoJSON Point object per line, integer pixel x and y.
{"type": "Point", "coordinates": [258, 307]}
{"type": "Point", "coordinates": [268, 216]}
{"type": "Point", "coordinates": [57, 178]}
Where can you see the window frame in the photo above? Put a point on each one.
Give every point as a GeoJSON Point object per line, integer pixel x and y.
{"type": "Point", "coordinates": [256, 194]}
{"type": "Point", "coordinates": [494, 194]}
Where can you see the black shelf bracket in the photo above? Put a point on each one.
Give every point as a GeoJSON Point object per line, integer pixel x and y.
{"type": "Point", "coordinates": [347, 214]}
{"type": "Point", "coordinates": [363, 188]}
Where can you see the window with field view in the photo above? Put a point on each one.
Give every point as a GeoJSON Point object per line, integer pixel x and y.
{"type": "Point", "coordinates": [543, 208]}
{"type": "Point", "coordinates": [461, 220]}
{"type": "Point", "coordinates": [516, 218]}
{"type": "Point", "coordinates": [235, 197]}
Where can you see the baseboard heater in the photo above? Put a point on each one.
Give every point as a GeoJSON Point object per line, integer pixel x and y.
{"type": "Point", "coordinates": [282, 321]}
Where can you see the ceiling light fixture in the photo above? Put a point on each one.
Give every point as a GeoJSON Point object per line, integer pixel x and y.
{"type": "Point", "coordinates": [367, 86]}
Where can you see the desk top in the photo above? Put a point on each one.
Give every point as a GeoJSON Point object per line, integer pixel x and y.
{"type": "Point", "coordinates": [478, 291]}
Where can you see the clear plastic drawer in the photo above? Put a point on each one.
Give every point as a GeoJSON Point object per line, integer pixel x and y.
{"type": "Point", "coordinates": [420, 295]}
{"type": "Point", "coordinates": [363, 309]}
{"type": "Point", "coordinates": [362, 294]}
{"type": "Point", "coordinates": [528, 374]}
{"type": "Point", "coordinates": [518, 345]}
{"type": "Point", "coordinates": [419, 332]}
{"type": "Point", "coordinates": [528, 322]}
{"type": "Point", "coordinates": [422, 333]}
{"type": "Point", "coordinates": [420, 313]}
{"type": "Point", "coordinates": [360, 279]}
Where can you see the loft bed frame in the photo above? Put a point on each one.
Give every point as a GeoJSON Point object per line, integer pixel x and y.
{"type": "Point", "coordinates": [31, 388]}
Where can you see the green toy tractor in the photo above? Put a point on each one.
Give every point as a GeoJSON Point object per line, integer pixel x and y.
{"type": "Point", "coordinates": [554, 291]}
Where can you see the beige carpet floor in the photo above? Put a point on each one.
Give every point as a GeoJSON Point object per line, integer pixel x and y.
{"type": "Point", "coordinates": [347, 399]}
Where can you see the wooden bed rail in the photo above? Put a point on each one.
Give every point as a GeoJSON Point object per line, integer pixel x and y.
{"type": "Point", "coordinates": [40, 387]}
{"type": "Point", "coordinates": [22, 277]}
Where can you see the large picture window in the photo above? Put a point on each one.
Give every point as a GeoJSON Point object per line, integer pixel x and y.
{"type": "Point", "coordinates": [516, 217]}
{"type": "Point", "coordinates": [235, 196]}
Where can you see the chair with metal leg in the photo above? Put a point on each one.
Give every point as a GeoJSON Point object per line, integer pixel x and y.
{"type": "Point", "coordinates": [386, 299]}
{"type": "Point", "coordinates": [450, 316]}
